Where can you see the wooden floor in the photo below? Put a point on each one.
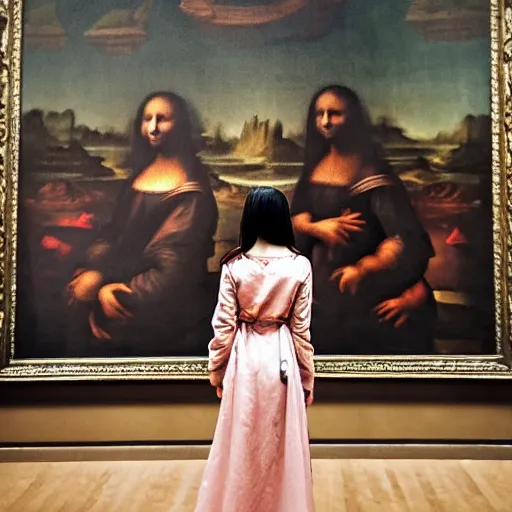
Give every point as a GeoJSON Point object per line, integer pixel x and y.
{"type": "Point", "coordinates": [340, 485]}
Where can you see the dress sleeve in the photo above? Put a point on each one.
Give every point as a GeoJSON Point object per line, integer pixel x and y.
{"type": "Point", "coordinates": [224, 323]}
{"type": "Point", "coordinates": [99, 252]}
{"type": "Point", "coordinates": [300, 204]}
{"type": "Point", "coordinates": [300, 198]}
{"type": "Point", "coordinates": [299, 327]}
{"type": "Point", "coordinates": [172, 257]}
{"type": "Point", "coordinates": [394, 210]}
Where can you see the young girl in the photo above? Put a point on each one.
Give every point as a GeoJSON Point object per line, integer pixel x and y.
{"type": "Point", "coordinates": [260, 460]}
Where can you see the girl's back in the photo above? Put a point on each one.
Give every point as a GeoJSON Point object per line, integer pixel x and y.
{"type": "Point", "coordinates": [261, 445]}
{"type": "Point", "coordinates": [259, 460]}
{"type": "Point", "coordinates": [266, 287]}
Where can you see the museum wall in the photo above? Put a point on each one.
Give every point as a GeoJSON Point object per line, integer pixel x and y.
{"type": "Point", "coordinates": [426, 84]}
{"type": "Point", "coordinates": [345, 410]}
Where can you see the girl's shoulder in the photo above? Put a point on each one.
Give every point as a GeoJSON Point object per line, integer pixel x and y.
{"type": "Point", "coordinates": [232, 260]}
{"type": "Point", "coordinates": [304, 266]}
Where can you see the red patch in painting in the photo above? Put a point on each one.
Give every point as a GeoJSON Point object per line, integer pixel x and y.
{"type": "Point", "coordinates": [457, 237]}
{"type": "Point", "coordinates": [84, 221]}
{"type": "Point", "coordinates": [64, 249]}
{"type": "Point", "coordinates": [52, 243]}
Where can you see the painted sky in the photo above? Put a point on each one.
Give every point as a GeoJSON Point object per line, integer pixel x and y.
{"type": "Point", "coordinates": [424, 86]}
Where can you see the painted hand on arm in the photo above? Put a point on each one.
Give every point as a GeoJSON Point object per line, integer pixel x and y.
{"type": "Point", "coordinates": [384, 258]}
{"type": "Point", "coordinates": [398, 309]}
{"type": "Point", "coordinates": [333, 231]}
{"type": "Point", "coordinates": [85, 286]}
{"type": "Point", "coordinates": [112, 309]}
{"type": "Point", "coordinates": [349, 277]}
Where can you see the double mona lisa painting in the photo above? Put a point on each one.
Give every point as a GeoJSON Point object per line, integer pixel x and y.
{"type": "Point", "coordinates": [131, 132]}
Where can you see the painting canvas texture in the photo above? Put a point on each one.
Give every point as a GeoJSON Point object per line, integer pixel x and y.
{"type": "Point", "coordinates": [248, 70]}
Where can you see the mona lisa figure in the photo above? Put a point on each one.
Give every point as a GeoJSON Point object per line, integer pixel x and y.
{"type": "Point", "coordinates": [141, 290]}
{"type": "Point", "coordinates": [368, 249]}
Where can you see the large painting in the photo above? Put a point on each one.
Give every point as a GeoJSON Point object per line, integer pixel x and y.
{"type": "Point", "coordinates": [136, 129]}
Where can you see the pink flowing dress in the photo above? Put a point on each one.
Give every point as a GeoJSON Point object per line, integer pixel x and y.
{"type": "Point", "coordinates": [260, 459]}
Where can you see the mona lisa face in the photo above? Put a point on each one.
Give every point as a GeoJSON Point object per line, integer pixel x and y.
{"type": "Point", "coordinates": [158, 121]}
{"type": "Point", "coordinates": [330, 115]}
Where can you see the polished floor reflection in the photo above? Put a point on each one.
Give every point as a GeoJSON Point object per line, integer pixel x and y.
{"type": "Point", "coordinates": [339, 485]}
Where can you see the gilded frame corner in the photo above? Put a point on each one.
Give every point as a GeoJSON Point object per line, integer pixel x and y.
{"type": "Point", "coordinates": [497, 366]}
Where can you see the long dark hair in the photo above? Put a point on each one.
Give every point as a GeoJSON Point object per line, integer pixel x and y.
{"type": "Point", "coordinates": [358, 127]}
{"type": "Point", "coordinates": [266, 215]}
{"type": "Point", "coordinates": [184, 143]}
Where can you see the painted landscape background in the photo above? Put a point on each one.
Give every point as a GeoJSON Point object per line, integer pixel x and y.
{"type": "Point", "coordinates": [249, 69]}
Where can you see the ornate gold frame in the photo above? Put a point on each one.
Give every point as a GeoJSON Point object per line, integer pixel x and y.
{"type": "Point", "coordinates": [491, 366]}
